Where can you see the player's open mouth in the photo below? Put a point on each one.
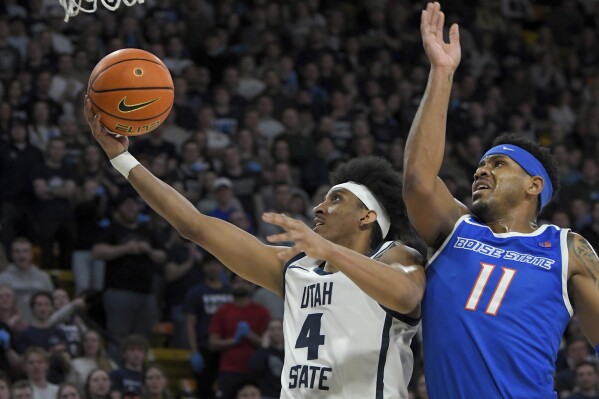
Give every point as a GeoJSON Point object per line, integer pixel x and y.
{"type": "Point", "coordinates": [479, 186]}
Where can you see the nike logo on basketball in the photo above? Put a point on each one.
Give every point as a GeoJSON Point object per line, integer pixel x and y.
{"type": "Point", "coordinates": [123, 107]}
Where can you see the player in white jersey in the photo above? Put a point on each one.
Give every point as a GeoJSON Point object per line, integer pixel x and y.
{"type": "Point", "coordinates": [369, 310]}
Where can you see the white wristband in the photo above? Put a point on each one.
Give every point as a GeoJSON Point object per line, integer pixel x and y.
{"type": "Point", "coordinates": [124, 163]}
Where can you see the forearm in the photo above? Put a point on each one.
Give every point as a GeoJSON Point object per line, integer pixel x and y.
{"type": "Point", "coordinates": [220, 344]}
{"type": "Point", "coordinates": [397, 287]}
{"type": "Point", "coordinates": [62, 192]}
{"type": "Point", "coordinates": [62, 314]}
{"type": "Point", "coordinates": [109, 252]}
{"type": "Point", "coordinates": [173, 272]}
{"type": "Point", "coordinates": [426, 141]}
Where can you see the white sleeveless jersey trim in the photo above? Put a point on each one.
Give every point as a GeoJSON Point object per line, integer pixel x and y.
{"type": "Point", "coordinates": [565, 267]}
{"type": "Point", "coordinates": [339, 342]}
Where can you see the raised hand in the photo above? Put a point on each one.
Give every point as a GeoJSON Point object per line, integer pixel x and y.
{"type": "Point", "coordinates": [303, 238]}
{"type": "Point", "coordinates": [243, 330]}
{"type": "Point", "coordinates": [111, 144]}
{"type": "Point", "coordinates": [439, 53]}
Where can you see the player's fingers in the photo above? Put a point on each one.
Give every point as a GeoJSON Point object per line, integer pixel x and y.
{"type": "Point", "coordinates": [434, 20]}
{"type": "Point", "coordinates": [283, 237]}
{"type": "Point", "coordinates": [278, 219]}
{"type": "Point", "coordinates": [440, 23]}
{"type": "Point", "coordinates": [454, 34]}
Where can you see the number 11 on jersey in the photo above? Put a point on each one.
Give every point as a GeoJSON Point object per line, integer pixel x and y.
{"type": "Point", "coordinates": [480, 284]}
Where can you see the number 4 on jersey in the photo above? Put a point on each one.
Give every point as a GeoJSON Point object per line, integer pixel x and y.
{"type": "Point", "coordinates": [500, 290]}
{"type": "Point", "coordinates": [310, 336]}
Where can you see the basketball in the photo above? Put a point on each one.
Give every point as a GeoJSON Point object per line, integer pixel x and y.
{"type": "Point", "coordinates": [133, 90]}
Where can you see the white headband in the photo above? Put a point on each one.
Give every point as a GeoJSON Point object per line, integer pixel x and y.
{"type": "Point", "coordinates": [368, 199]}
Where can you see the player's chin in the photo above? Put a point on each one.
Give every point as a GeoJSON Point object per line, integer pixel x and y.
{"type": "Point", "coordinates": [480, 208]}
{"type": "Point", "coordinates": [318, 229]}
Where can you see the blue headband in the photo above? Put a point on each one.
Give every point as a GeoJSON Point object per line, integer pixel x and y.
{"type": "Point", "coordinates": [530, 164]}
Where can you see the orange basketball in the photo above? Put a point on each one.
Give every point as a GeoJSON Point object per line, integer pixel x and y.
{"type": "Point", "coordinates": [133, 90]}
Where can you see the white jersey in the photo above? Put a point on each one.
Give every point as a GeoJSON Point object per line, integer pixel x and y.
{"type": "Point", "coordinates": [339, 342]}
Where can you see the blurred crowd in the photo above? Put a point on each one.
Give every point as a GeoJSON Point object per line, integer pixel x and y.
{"type": "Point", "coordinates": [269, 97]}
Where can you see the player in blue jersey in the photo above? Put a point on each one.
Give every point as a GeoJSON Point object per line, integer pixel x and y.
{"type": "Point", "coordinates": [352, 292]}
{"type": "Point", "coordinates": [500, 289]}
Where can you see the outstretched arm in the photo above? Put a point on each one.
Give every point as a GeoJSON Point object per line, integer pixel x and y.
{"type": "Point", "coordinates": [241, 252]}
{"type": "Point", "coordinates": [396, 281]}
{"type": "Point", "coordinates": [432, 209]}
{"type": "Point", "coordinates": [584, 285]}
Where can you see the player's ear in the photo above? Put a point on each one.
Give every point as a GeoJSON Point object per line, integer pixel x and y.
{"type": "Point", "coordinates": [368, 217]}
{"type": "Point", "coordinates": [535, 185]}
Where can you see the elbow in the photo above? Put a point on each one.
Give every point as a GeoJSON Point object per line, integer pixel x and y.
{"type": "Point", "coordinates": [408, 301]}
{"type": "Point", "coordinates": [414, 184]}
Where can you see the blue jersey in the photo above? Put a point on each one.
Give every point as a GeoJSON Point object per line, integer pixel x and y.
{"type": "Point", "coordinates": [494, 311]}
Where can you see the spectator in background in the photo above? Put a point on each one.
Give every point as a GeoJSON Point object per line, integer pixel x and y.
{"type": "Point", "coordinates": [55, 189]}
{"type": "Point", "coordinates": [89, 212]}
{"type": "Point", "coordinates": [587, 381]}
{"type": "Point", "coordinates": [131, 256]}
{"type": "Point", "coordinates": [129, 377]}
{"type": "Point", "coordinates": [182, 271]}
{"type": "Point", "coordinates": [591, 231]}
{"type": "Point", "coordinates": [36, 367]}
{"type": "Point", "coordinates": [44, 333]}
{"type": "Point", "coordinates": [17, 160]}
{"type": "Point", "coordinates": [24, 277]}
{"type": "Point", "coordinates": [93, 356]}
{"type": "Point", "coordinates": [41, 127]}
{"type": "Point", "coordinates": [97, 385]}
{"type": "Point", "coordinates": [266, 363]}
{"type": "Point", "coordinates": [10, 361]}
{"type": "Point", "coordinates": [153, 145]}
{"type": "Point", "coordinates": [187, 177]}
{"type": "Point", "coordinates": [245, 180]}
{"type": "Point", "coordinates": [577, 351]}
{"type": "Point", "coordinates": [11, 58]}
{"type": "Point", "coordinates": [9, 314]}
{"type": "Point", "coordinates": [22, 389]}
{"type": "Point", "coordinates": [226, 201]}
{"type": "Point", "coordinates": [201, 302]}
{"type": "Point", "coordinates": [4, 386]}
{"type": "Point", "coordinates": [70, 323]}
{"type": "Point", "coordinates": [248, 390]}
{"type": "Point", "coordinates": [68, 391]}
{"type": "Point", "coordinates": [155, 383]}
{"type": "Point", "coordinates": [236, 331]}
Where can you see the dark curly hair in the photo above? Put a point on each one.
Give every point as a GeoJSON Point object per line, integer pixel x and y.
{"type": "Point", "coordinates": [385, 183]}
{"type": "Point", "coordinates": [542, 154]}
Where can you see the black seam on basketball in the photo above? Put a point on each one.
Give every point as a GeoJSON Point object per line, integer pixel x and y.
{"type": "Point", "coordinates": [132, 88]}
{"type": "Point", "coordinates": [129, 119]}
{"type": "Point", "coordinates": [121, 61]}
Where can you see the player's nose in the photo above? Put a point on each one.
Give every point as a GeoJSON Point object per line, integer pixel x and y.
{"type": "Point", "coordinates": [319, 209]}
{"type": "Point", "coordinates": [482, 170]}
